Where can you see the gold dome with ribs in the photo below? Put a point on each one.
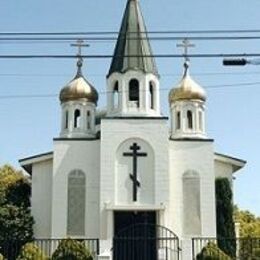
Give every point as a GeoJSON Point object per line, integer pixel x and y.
{"type": "Point", "coordinates": [79, 89]}
{"type": "Point", "coordinates": [187, 89]}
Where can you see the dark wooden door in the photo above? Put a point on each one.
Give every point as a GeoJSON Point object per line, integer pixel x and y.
{"type": "Point", "coordinates": [135, 235]}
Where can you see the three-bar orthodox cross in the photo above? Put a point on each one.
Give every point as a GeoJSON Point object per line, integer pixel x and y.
{"type": "Point", "coordinates": [135, 154]}
{"type": "Point", "coordinates": [79, 44]}
{"type": "Point", "coordinates": [186, 45]}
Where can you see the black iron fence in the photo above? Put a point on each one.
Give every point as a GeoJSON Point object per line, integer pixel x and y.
{"type": "Point", "coordinates": [241, 248]}
{"type": "Point", "coordinates": [11, 249]}
{"type": "Point", "coordinates": [145, 242]}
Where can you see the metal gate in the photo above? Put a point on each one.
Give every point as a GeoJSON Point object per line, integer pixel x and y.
{"type": "Point", "coordinates": [145, 242]}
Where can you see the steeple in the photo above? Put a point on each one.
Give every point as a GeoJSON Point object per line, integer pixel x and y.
{"type": "Point", "coordinates": [133, 45]}
{"type": "Point", "coordinates": [133, 81]}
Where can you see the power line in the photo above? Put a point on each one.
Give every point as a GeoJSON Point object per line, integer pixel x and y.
{"type": "Point", "coordinates": [161, 38]}
{"type": "Point", "coordinates": [100, 56]}
{"type": "Point", "coordinates": [102, 75]}
{"type": "Point", "coordinates": [220, 86]}
{"type": "Point", "coordinates": [116, 32]}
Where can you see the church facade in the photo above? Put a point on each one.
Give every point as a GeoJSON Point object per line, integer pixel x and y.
{"type": "Point", "coordinates": [129, 165]}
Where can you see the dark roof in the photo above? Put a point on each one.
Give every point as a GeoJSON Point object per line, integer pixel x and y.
{"type": "Point", "coordinates": [133, 41]}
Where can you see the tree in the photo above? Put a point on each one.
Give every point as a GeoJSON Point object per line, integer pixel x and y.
{"type": "Point", "coordinates": [250, 232]}
{"type": "Point", "coordinates": [249, 223]}
{"type": "Point", "coordinates": [16, 222]}
{"type": "Point", "coordinates": [225, 223]}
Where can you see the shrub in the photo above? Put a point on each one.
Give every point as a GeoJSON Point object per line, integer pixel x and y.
{"type": "Point", "coordinates": [31, 252]}
{"type": "Point", "coordinates": [70, 249]}
{"type": "Point", "coordinates": [225, 223]}
{"type": "Point", "coordinates": [212, 252]}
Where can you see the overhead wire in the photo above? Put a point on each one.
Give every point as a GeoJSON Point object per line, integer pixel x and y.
{"type": "Point", "coordinates": [116, 32]}
{"type": "Point", "coordinates": [102, 56]}
{"type": "Point", "coordinates": [219, 86]}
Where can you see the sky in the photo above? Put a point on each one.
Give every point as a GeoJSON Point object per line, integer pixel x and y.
{"type": "Point", "coordinates": [28, 125]}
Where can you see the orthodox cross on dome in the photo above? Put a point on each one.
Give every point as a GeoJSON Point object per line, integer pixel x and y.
{"type": "Point", "coordinates": [186, 45]}
{"type": "Point", "coordinates": [79, 44]}
{"type": "Point", "coordinates": [135, 154]}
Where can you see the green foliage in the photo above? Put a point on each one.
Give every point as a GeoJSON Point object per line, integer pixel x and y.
{"type": "Point", "coordinates": [1, 257]}
{"type": "Point", "coordinates": [212, 252]}
{"type": "Point", "coordinates": [31, 252]}
{"type": "Point", "coordinates": [249, 223]}
{"type": "Point", "coordinates": [16, 222]}
{"type": "Point", "coordinates": [14, 187]}
{"type": "Point", "coordinates": [225, 223]}
{"type": "Point", "coordinates": [69, 249]}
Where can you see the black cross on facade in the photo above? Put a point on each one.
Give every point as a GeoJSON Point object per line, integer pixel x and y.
{"type": "Point", "coordinates": [135, 154]}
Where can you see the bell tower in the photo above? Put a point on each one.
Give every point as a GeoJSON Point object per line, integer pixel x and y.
{"type": "Point", "coordinates": [133, 80]}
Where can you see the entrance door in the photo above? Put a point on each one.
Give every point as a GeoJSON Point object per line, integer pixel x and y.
{"type": "Point", "coordinates": [135, 235]}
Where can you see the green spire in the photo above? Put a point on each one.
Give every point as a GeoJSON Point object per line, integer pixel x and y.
{"type": "Point", "coordinates": [133, 41]}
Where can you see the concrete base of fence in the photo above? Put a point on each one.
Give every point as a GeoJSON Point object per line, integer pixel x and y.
{"type": "Point", "coordinates": [104, 256]}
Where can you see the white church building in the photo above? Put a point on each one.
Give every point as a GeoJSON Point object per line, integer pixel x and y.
{"type": "Point", "coordinates": [115, 172]}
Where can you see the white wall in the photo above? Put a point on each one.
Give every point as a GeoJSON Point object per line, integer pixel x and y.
{"type": "Point", "coordinates": [223, 170]}
{"type": "Point", "coordinates": [197, 156]}
{"type": "Point", "coordinates": [117, 135]}
{"type": "Point", "coordinates": [69, 155]}
{"type": "Point", "coordinates": [41, 198]}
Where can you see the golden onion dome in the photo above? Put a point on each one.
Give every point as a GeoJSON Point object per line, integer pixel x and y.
{"type": "Point", "coordinates": [187, 89]}
{"type": "Point", "coordinates": [79, 89]}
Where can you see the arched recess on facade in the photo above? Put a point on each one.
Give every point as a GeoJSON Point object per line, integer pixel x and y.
{"type": "Point", "coordinates": [134, 91]}
{"type": "Point", "coordinates": [191, 203]}
{"type": "Point", "coordinates": [76, 203]}
{"type": "Point", "coordinates": [124, 171]}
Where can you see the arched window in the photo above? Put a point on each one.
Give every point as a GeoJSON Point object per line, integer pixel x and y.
{"type": "Point", "coordinates": [116, 95]}
{"type": "Point", "coordinates": [178, 120]}
{"type": "Point", "coordinates": [151, 94]}
{"type": "Point", "coordinates": [134, 91]}
{"type": "Point", "coordinates": [66, 125]}
{"type": "Point", "coordinates": [77, 118]}
{"type": "Point", "coordinates": [88, 120]}
{"type": "Point", "coordinates": [189, 119]}
{"type": "Point", "coordinates": [76, 203]}
{"type": "Point", "coordinates": [191, 203]}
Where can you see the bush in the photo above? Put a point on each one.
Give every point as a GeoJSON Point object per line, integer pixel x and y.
{"type": "Point", "coordinates": [70, 249]}
{"type": "Point", "coordinates": [31, 252]}
{"type": "Point", "coordinates": [212, 252]}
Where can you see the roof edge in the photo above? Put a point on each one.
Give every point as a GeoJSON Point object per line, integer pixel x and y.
{"type": "Point", "coordinates": [26, 163]}
{"type": "Point", "coordinates": [235, 162]}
